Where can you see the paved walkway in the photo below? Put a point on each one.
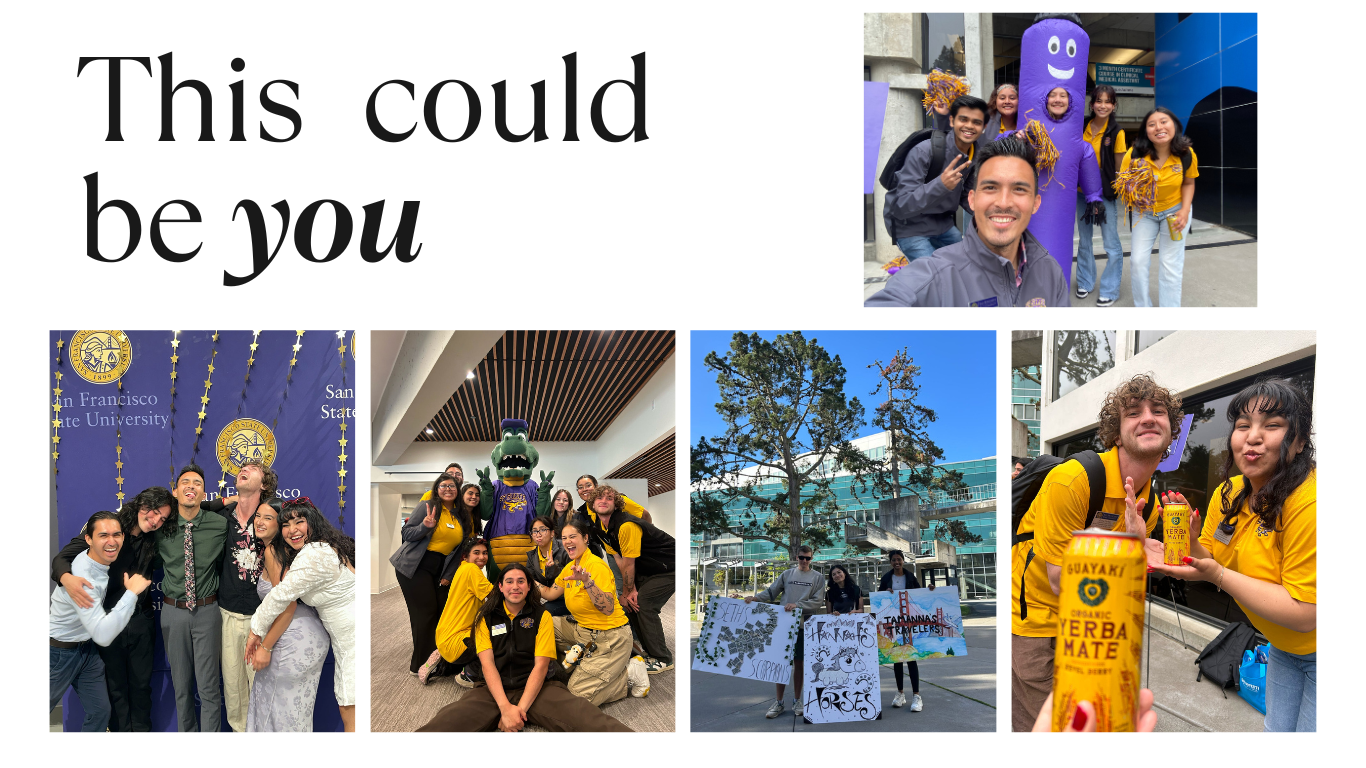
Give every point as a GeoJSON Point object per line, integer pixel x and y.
{"type": "Point", "coordinates": [1220, 270]}
{"type": "Point", "coordinates": [958, 694]}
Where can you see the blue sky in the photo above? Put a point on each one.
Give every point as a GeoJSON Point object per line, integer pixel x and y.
{"type": "Point", "coordinates": [957, 379]}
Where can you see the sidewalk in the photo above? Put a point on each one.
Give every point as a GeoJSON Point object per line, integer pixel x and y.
{"type": "Point", "coordinates": [958, 694]}
{"type": "Point", "coordinates": [1220, 270]}
{"type": "Point", "coordinates": [1182, 704]}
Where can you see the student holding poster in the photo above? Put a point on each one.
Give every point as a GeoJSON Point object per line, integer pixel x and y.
{"type": "Point", "coordinates": [800, 587]}
{"type": "Point", "coordinates": [900, 578]}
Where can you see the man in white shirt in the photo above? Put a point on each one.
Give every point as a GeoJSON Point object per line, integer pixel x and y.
{"type": "Point", "coordinates": [74, 632]}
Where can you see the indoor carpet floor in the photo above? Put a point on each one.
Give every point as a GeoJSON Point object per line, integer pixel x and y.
{"type": "Point", "coordinates": [399, 703]}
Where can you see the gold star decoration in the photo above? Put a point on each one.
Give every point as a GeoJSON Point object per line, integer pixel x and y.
{"type": "Point", "coordinates": [57, 406]}
{"type": "Point", "coordinates": [59, 343]}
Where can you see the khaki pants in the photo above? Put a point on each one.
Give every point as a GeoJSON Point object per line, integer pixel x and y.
{"type": "Point", "coordinates": [237, 673]}
{"type": "Point", "coordinates": [1031, 678]}
{"type": "Point", "coordinates": [601, 677]}
{"type": "Point", "coordinates": [555, 709]}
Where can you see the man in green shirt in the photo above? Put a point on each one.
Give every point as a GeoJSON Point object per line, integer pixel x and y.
{"type": "Point", "coordinates": [191, 546]}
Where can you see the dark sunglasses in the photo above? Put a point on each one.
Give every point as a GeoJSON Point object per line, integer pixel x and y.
{"type": "Point", "coordinates": [803, 558]}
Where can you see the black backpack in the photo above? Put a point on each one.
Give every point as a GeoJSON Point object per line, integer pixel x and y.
{"type": "Point", "coordinates": [1027, 484]}
{"type": "Point", "coordinates": [1220, 659]}
{"type": "Point", "coordinates": [894, 164]}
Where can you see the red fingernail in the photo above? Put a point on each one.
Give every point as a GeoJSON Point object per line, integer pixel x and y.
{"type": "Point", "coordinates": [1079, 719]}
{"type": "Point", "coordinates": [1150, 569]}
{"type": "Point", "coordinates": [1187, 560]}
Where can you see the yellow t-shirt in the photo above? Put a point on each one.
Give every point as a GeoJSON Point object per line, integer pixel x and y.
{"type": "Point", "coordinates": [545, 634]}
{"type": "Point", "coordinates": [1095, 138]}
{"type": "Point", "coordinates": [1169, 178]}
{"type": "Point", "coordinates": [1288, 557]}
{"type": "Point", "coordinates": [577, 600]}
{"type": "Point", "coordinates": [1058, 511]}
{"type": "Point", "coordinates": [468, 590]}
{"type": "Point", "coordinates": [628, 536]}
{"type": "Point", "coordinates": [447, 534]}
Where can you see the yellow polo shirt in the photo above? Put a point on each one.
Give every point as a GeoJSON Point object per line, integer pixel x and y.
{"type": "Point", "coordinates": [577, 600]}
{"type": "Point", "coordinates": [468, 590]}
{"type": "Point", "coordinates": [628, 536]}
{"type": "Point", "coordinates": [447, 534]}
{"type": "Point", "coordinates": [1288, 557]}
{"type": "Point", "coordinates": [1169, 179]}
{"type": "Point", "coordinates": [1058, 511]}
{"type": "Point", "coordinates": [545, 634]}
{"type": "Point", "coordinates": [1095, 138]}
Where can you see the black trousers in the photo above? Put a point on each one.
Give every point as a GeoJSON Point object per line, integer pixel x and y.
{"type": "Point", "coordinates": [652, 593]}
{"type": "Point", "coordinates": [426, 598]}
{"type": "Point", "coordinates": [128, 674]}
{"type": "Point", "coordinates": [915, 675]}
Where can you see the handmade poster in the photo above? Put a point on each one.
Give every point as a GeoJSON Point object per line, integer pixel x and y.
{"type": "Point", "coordinates": [840, 668]}
{"type": "Point", "coordinates": [915, 624]}
{"type": "Point", "coordinates": [754, 640]}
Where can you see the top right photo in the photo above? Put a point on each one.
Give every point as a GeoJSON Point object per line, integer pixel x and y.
{"type": "Point", "coordinates": [1021, 159]}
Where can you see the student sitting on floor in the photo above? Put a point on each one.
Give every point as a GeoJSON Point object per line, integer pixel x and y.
{"type": "Point", "coordinates": [514, 637]}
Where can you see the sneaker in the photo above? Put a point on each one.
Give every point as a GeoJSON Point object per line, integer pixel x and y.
{"type": "Point", "coordinates": [1104, 302]}
{"type": "Point", "coordinates": [797, 707]}
{"type": "Point", "coordinates": [1083, 292]}
{"type": "Point", "coordinates": [900, 700]}
{"type": "Point", "coordinates": [424, 673]}
{"type": "Point", "coordinates": [916, 703]}
{"type": "Point", "coordinates": [464, 680]}
{"type": "Point", "coordinates": [655, 666]}
{"type": "Point", "coordinates": [775, 710]}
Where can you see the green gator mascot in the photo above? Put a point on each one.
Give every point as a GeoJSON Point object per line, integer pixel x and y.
{"type": "Point", "coordinates": [510, 503]}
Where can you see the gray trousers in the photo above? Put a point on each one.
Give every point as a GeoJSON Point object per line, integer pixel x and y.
{"type": "Point", "coordinates": [652, 593]}
{"type": "Point", "coordinates": [193, 641]}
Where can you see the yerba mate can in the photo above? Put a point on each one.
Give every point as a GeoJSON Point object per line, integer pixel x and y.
{"type": "Point", "coordinates": [1100, 628]}
{"type": "Point", "coordinates": [1176, 520]}
{"type": "Point", "coordinates": [1172, 229]}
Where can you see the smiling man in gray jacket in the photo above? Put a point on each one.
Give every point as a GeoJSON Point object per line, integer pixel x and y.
{"type": "Point", "coordinates": [801, 587]}
{"type": "Point", "coordinates": [998, 263]}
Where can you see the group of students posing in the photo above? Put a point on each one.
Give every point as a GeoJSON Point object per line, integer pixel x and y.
{"type": "Point", "coordinates": [253, 589]}
{"type": "Point", "coordinates": [1257, 543]}
{"type": "Point", "coordinates": [801, 586]}
{"type": "Point", "coordinates": [990, 264]}
{"type": "Point", "coordinates": [535, 640]}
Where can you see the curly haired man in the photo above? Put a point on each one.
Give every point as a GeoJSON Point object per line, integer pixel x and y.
{"type": "Point", "coordinates": [1138, 422]}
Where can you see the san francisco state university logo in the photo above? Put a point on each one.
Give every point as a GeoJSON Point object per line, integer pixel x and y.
{"type": "Point", "coordinates": [100, 357]}
{"type": "Point", "coordinates": [243, 440]}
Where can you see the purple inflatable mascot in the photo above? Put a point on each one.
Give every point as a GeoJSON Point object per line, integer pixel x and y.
{"type": "Point", "coordinates": [1054, 53]}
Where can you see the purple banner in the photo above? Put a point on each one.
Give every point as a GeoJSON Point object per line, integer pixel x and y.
{"type": "Point", "coordinates": [874, 110]}
{"type": "Point", "coordinates": [1173, 461]}
{"type": "Point", "coordinates": [122, 430]}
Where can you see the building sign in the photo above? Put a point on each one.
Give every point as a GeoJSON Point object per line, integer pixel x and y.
{"type": "Point", "coordinates": [1126, 79]}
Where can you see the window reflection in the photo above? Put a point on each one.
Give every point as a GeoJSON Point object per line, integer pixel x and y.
{"type": "Point", "coordinates": [1079, 356]}
{"type": "Point", "coordinates": [942, 43]}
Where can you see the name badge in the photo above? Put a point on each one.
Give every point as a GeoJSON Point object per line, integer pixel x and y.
{"type": "Point", "coordinates": [1107, 517]}
{"type": "Point", "coordinates": [450, 525]}
{"type": "Point", "coordinates": [500, 629]}
{"type": "Point", "coordinates": [991, 302]}
{"type": "Point", "coordinates": [1222, 535]}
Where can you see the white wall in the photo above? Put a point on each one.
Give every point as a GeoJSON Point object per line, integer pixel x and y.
{"type": "Point", "coordinates": [642, 423]}
{"type": "Point", "coordinates": [1186, 361]}
{"type": "Point", "coordinates": [385, 523]}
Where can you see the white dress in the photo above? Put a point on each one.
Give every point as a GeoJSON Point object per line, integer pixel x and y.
{"type": "Point", "coordinates": [319, 580]}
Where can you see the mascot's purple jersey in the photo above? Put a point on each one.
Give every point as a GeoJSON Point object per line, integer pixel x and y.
{"type": "Point", "coordinates": [1054, 53]}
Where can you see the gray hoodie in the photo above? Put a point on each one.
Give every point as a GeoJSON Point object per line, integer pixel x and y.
{"type": "Point", "coordinates": [807, 590]}
{"type": "Point", "coordinates": [968, 274]}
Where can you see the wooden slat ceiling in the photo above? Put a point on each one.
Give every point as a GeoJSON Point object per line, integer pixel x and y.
{"type": "Point", "coordinates": [655, 465]}
{"type": "Point", "coordinates": [569, 385]}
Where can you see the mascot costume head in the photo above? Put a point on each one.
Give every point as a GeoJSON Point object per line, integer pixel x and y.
{"type": "Point", "coordinates": [510, 503]}
{"type": "Point", "coordinates": [1054, 52]}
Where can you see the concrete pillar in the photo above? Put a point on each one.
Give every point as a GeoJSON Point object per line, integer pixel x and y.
{"type": "Point", "coordinates": [904, 116]}
{"type": "Point", "coordinates": [979, 54]}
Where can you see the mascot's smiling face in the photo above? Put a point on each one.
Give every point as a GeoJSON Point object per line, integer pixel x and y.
{"type": "Point", "coordinates": [514, 457]}
{"type": "Point", "coordinates": [1053, 52]}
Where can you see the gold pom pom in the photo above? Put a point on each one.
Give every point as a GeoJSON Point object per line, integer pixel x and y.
{"type": "Point", "coordinates": [943, 88]}
{"type": "Point", "coordinates": [1137, 187]}
{"type": "Point", "coordinates": [1036, 134]}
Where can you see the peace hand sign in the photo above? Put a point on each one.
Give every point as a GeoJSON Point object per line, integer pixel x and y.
{"type": "Point", "coordinates": [953, 174]}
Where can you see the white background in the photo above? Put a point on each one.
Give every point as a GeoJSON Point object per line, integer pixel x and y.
{"type": "Point", "coordinates": [742, 210]}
